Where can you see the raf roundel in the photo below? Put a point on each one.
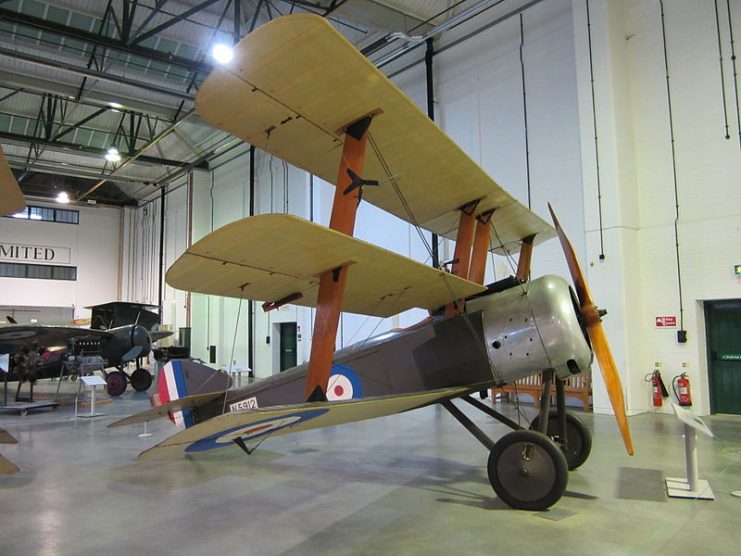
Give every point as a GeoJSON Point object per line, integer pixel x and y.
{"type": "Point", "coordinates": [343, 384]}
{"type": "Point", "coordinates": [254, 430]}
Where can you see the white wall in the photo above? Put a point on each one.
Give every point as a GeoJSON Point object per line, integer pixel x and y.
{"type": "Point", "coordinates": [626, 211]}
{"type": "Point", "coordinates": [94, 246]}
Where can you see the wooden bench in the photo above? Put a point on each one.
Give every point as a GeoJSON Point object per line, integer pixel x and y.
{"type": "Point", "coordinates": [578, 386]}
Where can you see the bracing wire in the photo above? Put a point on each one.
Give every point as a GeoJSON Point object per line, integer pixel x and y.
{"type": "Point", "coordinates": [234, 345]}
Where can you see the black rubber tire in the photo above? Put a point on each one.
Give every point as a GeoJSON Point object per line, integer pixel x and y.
{"type": "Point", "coordinates": [579, 444]}
{"type": "Point", "coordinates": [141, 380]}
{"type": "Point", "coordinates": [116, 383]}
{"type": "Point", "coordinates": [527, 470]}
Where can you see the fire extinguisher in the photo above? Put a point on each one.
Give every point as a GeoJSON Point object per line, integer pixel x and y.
{"type": "Point", "coordinates": [658, 390]}
{"type": "Point", "coordinates": [681, 387]}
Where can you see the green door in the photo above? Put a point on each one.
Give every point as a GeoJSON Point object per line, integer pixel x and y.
{"type": "Point", "coordinates": [287, 345]}
{"type": "Point", "coordinates": [723, 322]}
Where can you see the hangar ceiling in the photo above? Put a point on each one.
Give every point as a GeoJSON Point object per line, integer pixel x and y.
{"type": "Point", "coordinates": [80, 76]}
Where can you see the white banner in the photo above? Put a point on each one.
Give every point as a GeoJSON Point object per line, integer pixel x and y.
{"type": "Point", "coordinates": [17, 252]}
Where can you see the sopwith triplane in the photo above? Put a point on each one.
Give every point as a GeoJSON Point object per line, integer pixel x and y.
{"type": "Point", "coordinates": [348, 124]}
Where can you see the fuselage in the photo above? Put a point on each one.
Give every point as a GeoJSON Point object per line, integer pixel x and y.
{"type": "Point", "coordinates": [501, 337]}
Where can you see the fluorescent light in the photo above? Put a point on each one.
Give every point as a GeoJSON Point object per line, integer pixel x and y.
{"type": "Point", "coordinates": [113, 155]}
{"type": "Point", "coordinates": [115, 105]}
{"type": "Point", "coordinates": [222, 53]}
{"type": "Point", "coordinates": [63, 197]}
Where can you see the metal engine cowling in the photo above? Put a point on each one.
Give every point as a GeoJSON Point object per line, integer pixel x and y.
{"type": "Point", "coordinates": [533, 327]}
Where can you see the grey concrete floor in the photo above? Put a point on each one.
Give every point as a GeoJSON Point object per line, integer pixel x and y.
{"type": "Point", "coordinates": [409, 484]}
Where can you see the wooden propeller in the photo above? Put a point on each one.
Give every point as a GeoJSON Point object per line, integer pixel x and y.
{"type": "Point", "coordinates": [593, 324]}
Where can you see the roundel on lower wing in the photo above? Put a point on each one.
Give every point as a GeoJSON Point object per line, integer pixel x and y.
{"type": "Point", "coordinates": [253, 430]}
{"type": "Point", "coordinates": [17, 334]}
{"type": "Point", "coordinates": [344, 384]}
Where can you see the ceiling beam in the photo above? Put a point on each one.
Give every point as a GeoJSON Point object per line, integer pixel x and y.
{"type": "Point", "coordinates": [84, 149]}
{"type": "Point", "coordinates": [100, 40]}
{"type": "Point", "coordinates": [94, 73]}
{"type": "Point", "coordinates": [172, 21]}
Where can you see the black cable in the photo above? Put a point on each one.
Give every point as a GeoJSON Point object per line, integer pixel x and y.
{"type": "Point", "coordinates": [674, 168]}
{"type": "Point", "coordinates": [735, 72]}
{"type": "Point", "coordinates": [524, 113]}
{"type": "Point", "coordinates": [722, 72]}
{"type": "Point", "coordinates": [596, 139]}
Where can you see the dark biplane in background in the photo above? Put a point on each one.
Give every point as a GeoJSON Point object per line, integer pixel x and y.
{"type": "Point", "coordinates": [282, 95]}
{"type": "Point", "coordinates": [120, 333]}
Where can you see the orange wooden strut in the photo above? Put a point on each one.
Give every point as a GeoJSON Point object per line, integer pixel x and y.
{"type": "Point", "coordinates": [462, 255]}
{"type": "Point", "coordinates": [332, 283]}
{"type": "Point", "coordinates": [477, 270]}
{"type": "Point", "coordinates": [526, 255]}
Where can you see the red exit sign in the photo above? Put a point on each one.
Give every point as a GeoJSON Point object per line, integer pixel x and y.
{"type": "Point", "coordinates": [667, 322]}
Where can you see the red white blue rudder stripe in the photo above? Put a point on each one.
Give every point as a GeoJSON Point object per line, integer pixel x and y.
{"type": "Point", "coordinates": [172, 386]}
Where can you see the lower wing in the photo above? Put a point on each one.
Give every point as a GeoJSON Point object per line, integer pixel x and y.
{"type": "Point", "coordinates": [257, 424]}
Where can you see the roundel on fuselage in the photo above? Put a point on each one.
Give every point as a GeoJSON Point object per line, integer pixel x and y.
{"type": "Point", "coordinates": [344, 384]}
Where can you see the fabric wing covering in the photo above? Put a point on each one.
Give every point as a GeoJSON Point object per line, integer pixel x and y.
{"type": "Point", "coordinates": [271, 257]}
{"type": "Point", "coordinates": [294, 85]}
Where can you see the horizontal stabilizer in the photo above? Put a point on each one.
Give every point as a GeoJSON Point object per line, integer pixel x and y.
{"type": "Point", "coordinates": [271, 257]}
{"type": "Point", "coordinates": [255, 424]}
{"type": "Point", "coordinates": [281, 95]}
{"type": "Point", "coordinates": [7, 467]}
{"type": "Point", "coordinates": [6, 437]}
{"type": "Point", "coordinates": [165, 409]}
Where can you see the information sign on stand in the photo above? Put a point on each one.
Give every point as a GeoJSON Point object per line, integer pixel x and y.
{"type": "Point", "coordinates": [692, 486]}
{"type": "Point", "coordinates": [91, 382]}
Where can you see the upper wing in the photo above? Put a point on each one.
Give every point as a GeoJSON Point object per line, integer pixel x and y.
{"type": "Point", "coordinates": [14, 338]}
{"type": "Point", "coordinates": [295, 83]}
{"type": "Point", "coordinates": [250, 425]}
{"type": "Point", "coordinates": [273, 256]}
{"type": "Point", "coordinates": [11, 198]}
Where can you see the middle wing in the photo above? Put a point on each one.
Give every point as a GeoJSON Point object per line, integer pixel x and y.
{"type": "Point", "coordinates": [221, 431]}
{"type": "Point", "coordinates": [272, 257]}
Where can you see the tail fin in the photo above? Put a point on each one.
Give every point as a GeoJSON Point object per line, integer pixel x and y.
{"type": "Point", "coordinates": [182, 377]}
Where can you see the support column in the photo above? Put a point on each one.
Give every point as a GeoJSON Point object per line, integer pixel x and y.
{"type": "Point", "coordinates": [332, 283]}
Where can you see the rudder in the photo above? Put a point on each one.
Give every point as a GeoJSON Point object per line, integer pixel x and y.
{"type": "Point", "coordinates": [183, 377]}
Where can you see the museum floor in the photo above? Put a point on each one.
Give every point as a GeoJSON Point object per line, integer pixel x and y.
{"type": "Point", "coordinates": [408, 484]}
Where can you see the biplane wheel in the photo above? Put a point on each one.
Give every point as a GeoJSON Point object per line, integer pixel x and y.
{"type": "Point", "coordinates": [579, 437]}
{"type": "Point", "coordinates": [141, 380]}
{"type": "Point", "coordinates": [527, 470]}
{"type": "Point", "coordinates": [116, 383]}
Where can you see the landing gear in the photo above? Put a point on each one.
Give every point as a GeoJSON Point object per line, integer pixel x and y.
{"type": "Point", "coordinates": [527, 470]}
{"type": "Point", "coordinates": [141, 379]}
{"type": "Point", "coordinates": [116, 383]}
{"type": "Point", "coordinates": [578, 442]}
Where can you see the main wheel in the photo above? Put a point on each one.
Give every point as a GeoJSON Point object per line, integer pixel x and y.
{"type": "Point", "coordinates": [578, 437]}
{"type": "Point", "coordinates": [141, 379]}
{"type": "Point", "coordinates": [527, 470]}
{"type": "Point", "coordinates": [116, 383]}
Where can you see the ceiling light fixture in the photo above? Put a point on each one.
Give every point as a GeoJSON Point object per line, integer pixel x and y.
{"type": "Point", "coordinates": [63, 197]}
{"type": "Point", "coordinates": [222, 53]}
{"type": "Point", "coordinates": [112, 155]}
